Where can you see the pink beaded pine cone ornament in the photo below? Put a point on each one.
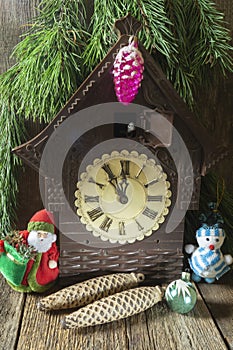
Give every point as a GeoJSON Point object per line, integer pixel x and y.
{"type": "Point", "coordinates": [128, 71]}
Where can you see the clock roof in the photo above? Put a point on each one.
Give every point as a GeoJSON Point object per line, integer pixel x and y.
{"type": "Point", "coordinates": [156, 92]}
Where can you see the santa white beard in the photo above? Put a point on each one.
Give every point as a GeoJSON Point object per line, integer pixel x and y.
{"type": "Point", "coordinates": [41, 245]}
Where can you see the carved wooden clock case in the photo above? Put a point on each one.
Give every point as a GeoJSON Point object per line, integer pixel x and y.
{"type": "Point", "coordinates": [121, 196]}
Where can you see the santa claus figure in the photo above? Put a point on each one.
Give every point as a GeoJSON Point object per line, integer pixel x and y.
{"type": "Point", "coordinates": [43, 270]}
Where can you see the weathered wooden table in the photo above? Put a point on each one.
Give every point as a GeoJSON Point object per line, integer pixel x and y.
{"type": "Point", "coordinates": [209, 326]}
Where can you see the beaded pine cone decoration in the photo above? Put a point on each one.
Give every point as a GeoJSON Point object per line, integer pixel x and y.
{"type": "Point", "coordinates": [114, 307]}
{"type": "Point", "coordinates": [128, 72]}
{"type": "Point", "coordinates": [88, 291]}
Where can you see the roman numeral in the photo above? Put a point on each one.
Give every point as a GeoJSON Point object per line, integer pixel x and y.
{"type": "Point", "coordinates": [105, 226]}
{"type": "Point", "coordinates": [108, 170]}
{"type": "Point", "coordinates": [150, 213]}
{"type": "Point", "coordinates": [155, 198]}
{"type": "Point", "coordinates": [140, 227]}
{"type": "Point", "coordinates": [139, 172]}
{"type": "Point", "coordinates": [121, 226]}
{"type": "Point", "coordinates": [124, 168]}
{"type": "Point", "coordinates": [91, 199]}
{"type": "Point", "coordinates": [91, 180]}
{"type": "Point", "coordinates": [150, 183]}
{"type": "Point", "coordinates": [95, 213]}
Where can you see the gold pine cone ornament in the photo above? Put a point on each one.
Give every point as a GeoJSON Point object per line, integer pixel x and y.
{"type": "Point", "coordinates": [114, 307]}
{"type": "Point", "coordinates": [88, 291]}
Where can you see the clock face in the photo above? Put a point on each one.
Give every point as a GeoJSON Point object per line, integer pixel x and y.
{"type": "Point", "coordinates": [123, 197]}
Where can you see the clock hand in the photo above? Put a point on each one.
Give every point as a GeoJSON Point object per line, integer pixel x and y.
{"type": "Point", "coordinates": [119, 188]}
{"type": "Point", "coordinates": [125, 168]}
{"type": "Point", "coordinates": [91, 180]}
{"type": "Point", "coordinates": [121, 191]}
{"type": "Point", "coordinates": [111, 176]}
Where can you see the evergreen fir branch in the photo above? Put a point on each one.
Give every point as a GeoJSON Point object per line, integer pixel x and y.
{"type": "Point", "coordinates": [102, 34]}
{"type": "Point", "coordinates": [210, 39]}
{"type": "Point", "coordinates": [12, 135]}
{"type": "Point", "coordinates": [155, 32]}
{"type": "Point", "coordinates": [203, 42]}
{"type": "Point", "coordinates": [48, 68]}
{"type": "Point", "coordinates": [179, 73]}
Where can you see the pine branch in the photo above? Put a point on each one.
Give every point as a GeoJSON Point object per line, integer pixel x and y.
{"type": "Point", "coordinates": [179, 72]}
{"type": "Point", "coordinates": [12, 135]}
{"type": "Point", "coordinates": [155, 33]}
{"type": "Point", "coordinates": [49, 67]}
{"type": "Point", "coordinates": [102, 34]}
{"type": "Point", "coordinates": [203, 43]}
{"type": "Point", "coordinates": [213, 46]}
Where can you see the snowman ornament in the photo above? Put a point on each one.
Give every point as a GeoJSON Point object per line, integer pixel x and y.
{"type": "Point", "coordinates": [207, 260]}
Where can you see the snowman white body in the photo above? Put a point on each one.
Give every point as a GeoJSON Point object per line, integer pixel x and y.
{"type": "Point", "coordinates": [207, 261]}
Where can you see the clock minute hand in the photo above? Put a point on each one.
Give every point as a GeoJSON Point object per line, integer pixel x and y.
{"type": "Point", "coordinates": [120, 189]}
{"type": "Point", "coordinates": [111, 176]}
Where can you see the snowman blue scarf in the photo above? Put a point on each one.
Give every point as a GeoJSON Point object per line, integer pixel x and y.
{"type": "Point", "coordinates": [208, 263]}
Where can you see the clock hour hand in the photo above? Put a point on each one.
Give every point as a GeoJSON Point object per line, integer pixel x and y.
{"type": "Point", "coordinates": [121, 191]}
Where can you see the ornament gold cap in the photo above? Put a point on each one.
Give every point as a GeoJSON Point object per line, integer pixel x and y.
{"type": "Point", "coordinates": [185, 276]}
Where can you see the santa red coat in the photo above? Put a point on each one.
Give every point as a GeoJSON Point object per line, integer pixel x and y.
{"type": "Point", "coordinates": [38, 272]}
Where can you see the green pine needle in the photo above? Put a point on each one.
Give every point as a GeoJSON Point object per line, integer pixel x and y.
{"type": "Point", "coordinates": [48, 70]}
{"type": "Point", "coordinates": [154, 35]}
{"type": "Point", "coordinates": [49, 67]}
{"type": "Point", "coordinates": [12, 134]}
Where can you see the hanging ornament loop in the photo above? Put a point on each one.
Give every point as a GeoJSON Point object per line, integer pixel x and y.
{"type": "Point", "coordinates": [220, 192]}
{"type": "Point", "coordinates": [128, 25]}
{"type": "Point", "coordinates": [133, 41]}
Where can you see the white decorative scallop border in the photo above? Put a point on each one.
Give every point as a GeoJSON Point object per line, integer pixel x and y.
{"type": "Point", "coordinates": [85, 220]}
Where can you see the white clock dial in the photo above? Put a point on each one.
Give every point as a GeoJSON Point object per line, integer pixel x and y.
{"type": "Point", "coordinates": [123, 196]}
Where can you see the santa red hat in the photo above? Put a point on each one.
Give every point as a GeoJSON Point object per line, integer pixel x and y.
{"type": "Point", "coordinates": [42, 221]}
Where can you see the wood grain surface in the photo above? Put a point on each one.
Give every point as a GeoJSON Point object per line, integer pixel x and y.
{"type": "Point", "coordinates": [11, 310]}
{"type": "Point", "coordinates": [157, 328]}
{"type": "Point", "coordinates": [219, 299]}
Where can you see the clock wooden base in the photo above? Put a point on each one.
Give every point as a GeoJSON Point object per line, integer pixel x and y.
{"type": "Point", "coordinates": [159, 257]}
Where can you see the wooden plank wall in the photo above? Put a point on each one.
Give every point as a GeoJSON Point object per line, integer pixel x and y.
{"type": "Point", "coordinates": [216, 105]}
{"type": "Point", "coordinates": [14, 14]}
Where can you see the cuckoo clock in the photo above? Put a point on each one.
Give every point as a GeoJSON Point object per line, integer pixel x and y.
{"type": "Point", "coordinates": [118, 178]}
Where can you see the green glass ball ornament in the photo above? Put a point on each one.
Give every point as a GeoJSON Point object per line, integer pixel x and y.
{"type": "Point", "coordinates": [181, 295]}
